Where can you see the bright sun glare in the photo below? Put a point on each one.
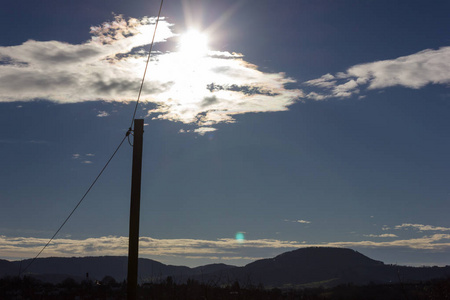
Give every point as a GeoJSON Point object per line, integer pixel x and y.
{"type": "Point", "coordinates": [193, 43]}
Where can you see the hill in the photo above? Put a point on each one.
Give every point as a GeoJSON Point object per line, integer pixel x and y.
{"type": "Point", "coordinates": [304, 267]}
{"type": "Point", "coordinates": [311, 265]}
{"type": "Point", "coordinates": [327, 267]}
{"type": "Point", "coordinates": [96, 268]}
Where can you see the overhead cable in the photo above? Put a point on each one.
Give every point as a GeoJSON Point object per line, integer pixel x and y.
{"type": "Point", "coordinates": [146, 65]}
{"type": "Point", "coordinates": [112, 156]}
{"type": "Point", "coordinates": [78, 204]}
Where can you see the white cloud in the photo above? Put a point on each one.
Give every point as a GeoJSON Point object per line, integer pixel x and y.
{"type": "Point", "coordinates": [384, 235]}
{"type": "Point", "coordinates": [298, 221]}
{"type": "Point", "coordinates": [113, 245]}
{"type": "Point", "coordinates": [437, 242]}
{"type": "Point", "coordinates": [412, 71]}
{"type": "Point", "coordinates": [215, 250]}
{"type": "Point", "coordinates": [63, 72]}
{"type": "Point", "coordinates": [316, 96]}
{"type": "Point", "coordinates": [326, 81]}
{"type": "Point", "coordinates": [421, 227]}
{"type": "Point", "coordinates": [102, 113]}
{"type": "Point", "coordinates": [84, 159]}
{"type": "Point", "coordinates": [203, 90]}
{"type": "Point", "coordinates": [204, 130]}
{"type": "Point", "coordinates": [303, 221]}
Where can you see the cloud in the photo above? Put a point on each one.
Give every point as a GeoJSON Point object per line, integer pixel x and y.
{"type": "Point", "coordinates": [102, 113]}
{"type": "Point", "coordinates": [226, 248]}
{"type": "Point", "coordinates": [84, 159]}
{"type": "Point", "coordinates": [303, 221]}
{"type": "Point", "coordinates": [436, 242]}
{"type": "Point", "coordinates": [413, 71]}
{"type": "Point", "coordinates": [204, 130]}
{"type": "Point", "coordinates": [384, 235]}
{"type": "Point", "coordinates": [215, 250]}
{"type": "Point", "coordinates": [65, 73]}
{"type": "Point", "coordinates": [201, 90]}
{"type": "Point", "coordinates": [421, 227]}
{"type": "Point", "coordinates": [298, 221]}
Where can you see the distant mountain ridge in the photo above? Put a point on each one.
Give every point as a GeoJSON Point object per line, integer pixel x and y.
{"type": "Point", "coordinates": [303, 267]}
{"type": "Point", "coordinates": [100, 266]}
{"type": "Point", "coordinates": [309, 265]}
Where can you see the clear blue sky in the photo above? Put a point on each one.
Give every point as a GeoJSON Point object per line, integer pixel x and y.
{"type": "Point", "coordinates": [304, 123]}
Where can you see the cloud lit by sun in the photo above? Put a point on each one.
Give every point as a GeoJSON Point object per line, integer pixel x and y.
{"type": "Point", "coordinates": [191, 84]}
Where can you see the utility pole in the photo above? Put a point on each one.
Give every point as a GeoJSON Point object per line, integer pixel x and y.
{"type": "Point", "coordinates": [133, 239]}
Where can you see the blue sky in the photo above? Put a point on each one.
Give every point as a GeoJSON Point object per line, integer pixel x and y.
{"type": "Point", "coordinates": [303, 123]}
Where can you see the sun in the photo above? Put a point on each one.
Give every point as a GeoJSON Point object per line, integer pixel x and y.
{"type": "Point", "coordinates": [193, 43]}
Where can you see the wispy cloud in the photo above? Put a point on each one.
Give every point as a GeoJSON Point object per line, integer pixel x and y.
{"type": "Point", "coordinates": [412, 71]}
{"type": "Point", "coordinates": [215, 250]}
{"type": "Point", "coordinates": [303, 221]}
{"type": "Point", "coordinates": [203, 90]}
{"type": "Point", "coordinates": [437, 242]}
{"type": "Point", "coordinates": [384, 235]}
{"type": "Point", "coordinates": [204, 130]}
{"type": "Point", "coordinates": [84, 159]}
{"type": "Point", "coordinates": [102, 114]}
{"type": "Point", "coordinates": [298, 221]}
{"type": "Point", "coordinates": [421, 227]}
{"type": "Point", "coordinates": [225, 248]}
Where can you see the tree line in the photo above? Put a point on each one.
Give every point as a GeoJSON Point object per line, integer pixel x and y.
{"type": "Point", "coordinates": [27, 287]}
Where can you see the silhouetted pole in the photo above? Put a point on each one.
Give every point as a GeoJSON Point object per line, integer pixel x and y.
{"type": "Point", "coordinates": [133, 240]}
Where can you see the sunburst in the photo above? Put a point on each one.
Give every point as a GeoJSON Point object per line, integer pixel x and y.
{"type": "Point", "coordinates": [193, 43]}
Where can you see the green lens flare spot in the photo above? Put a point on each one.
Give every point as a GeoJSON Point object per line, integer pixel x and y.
{"type": "Point", "coordinates": [240, 237]}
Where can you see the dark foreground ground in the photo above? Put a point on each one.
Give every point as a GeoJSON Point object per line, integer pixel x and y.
{"type": "Point", "coordinates": [108, 288]}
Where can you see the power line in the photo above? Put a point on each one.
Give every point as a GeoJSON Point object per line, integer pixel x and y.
{"type": "Point", "coordinates": [78, 204]}
{"type": "Point", "coordinates": [146, 64]}
{"type": "Point", "coordinates": [114, 153]}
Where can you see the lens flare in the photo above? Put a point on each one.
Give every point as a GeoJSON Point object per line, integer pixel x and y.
{"type": "Point", "coordinates": [240, 237]}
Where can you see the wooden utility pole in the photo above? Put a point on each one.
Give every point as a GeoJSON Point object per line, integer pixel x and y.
{"type": "Point", "coordinates": [133, 239]}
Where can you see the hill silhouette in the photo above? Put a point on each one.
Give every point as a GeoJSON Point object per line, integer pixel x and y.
{"type": "Point", "coordinates": [308, 265]}
{"type": "Point", "coordinates": [304, 267]}
{"type": "Point", "coordinates": [327, 267]}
